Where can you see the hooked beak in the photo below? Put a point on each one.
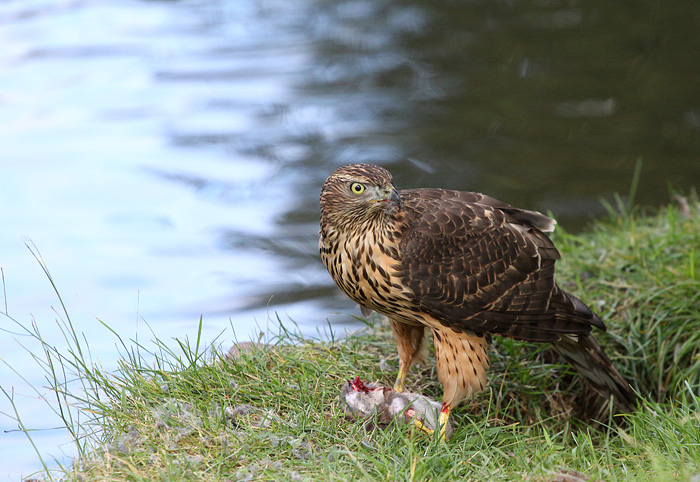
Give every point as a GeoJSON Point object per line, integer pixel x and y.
{"type": "Point", "coordinates": [391, 195]}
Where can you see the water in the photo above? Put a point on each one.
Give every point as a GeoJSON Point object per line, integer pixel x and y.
{"type": "Point", "coordinates": [166, 157]}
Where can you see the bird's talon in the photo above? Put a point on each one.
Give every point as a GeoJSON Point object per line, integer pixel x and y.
{"type": "Point", "coordinates": [422, 427]}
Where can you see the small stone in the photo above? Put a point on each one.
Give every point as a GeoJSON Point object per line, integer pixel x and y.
{"type": "Point", "coordinates": [194, 459]}
{"type": "Point", "coordinates": [244, 409]}
{"type": "Point", "coordinates": [244, 347]}
{"type": "Point", "coordinates": [277, 441]}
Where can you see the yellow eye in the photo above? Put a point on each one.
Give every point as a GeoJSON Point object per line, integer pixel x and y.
{"type": "Point", "coordinates": [357, 188]}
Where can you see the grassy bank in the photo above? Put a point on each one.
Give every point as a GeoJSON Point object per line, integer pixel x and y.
{"type": "Point", "coordinates": [272, 412]}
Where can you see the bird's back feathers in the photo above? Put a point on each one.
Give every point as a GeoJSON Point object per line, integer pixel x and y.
{"type": "Point", "coordinates": [479, 264]}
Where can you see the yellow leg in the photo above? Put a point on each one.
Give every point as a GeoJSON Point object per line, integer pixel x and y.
{"type": "Point", "coordinates": [443, 419]}
{"type": "Point", "coordinates": [401, 378]}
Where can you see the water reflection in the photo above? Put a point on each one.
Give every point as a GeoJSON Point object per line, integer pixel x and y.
{"type": "Point", "coordinates": [542, 104]}
{"type": "Point", "coordinates": [167, 157]}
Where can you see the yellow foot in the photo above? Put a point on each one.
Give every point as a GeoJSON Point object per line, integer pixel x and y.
{"type": "Point", "coordinates": [443, 419]}
{"type": "Point", "coordinates": [422, 427]}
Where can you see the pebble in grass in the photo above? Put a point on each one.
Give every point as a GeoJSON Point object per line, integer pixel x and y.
{"type": "Point", "coordinates": [245, 347]}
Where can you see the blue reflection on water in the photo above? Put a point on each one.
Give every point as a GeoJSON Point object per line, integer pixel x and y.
{"type": "Point", "coordinates": [127, 135]}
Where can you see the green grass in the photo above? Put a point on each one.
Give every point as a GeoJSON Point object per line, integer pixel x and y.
{"type": "Point", "coordinates": [273, 413]}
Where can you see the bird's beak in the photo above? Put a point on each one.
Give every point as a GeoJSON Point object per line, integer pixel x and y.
{"type": "Point", "coordinates": [392, 196]}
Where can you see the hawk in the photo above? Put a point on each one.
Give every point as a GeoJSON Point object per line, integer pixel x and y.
{"type": "Point", "coordinates": [461, 264]}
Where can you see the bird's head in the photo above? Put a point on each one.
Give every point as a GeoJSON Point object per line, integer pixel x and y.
{"type": "Point", "coordinates": [358, 193]}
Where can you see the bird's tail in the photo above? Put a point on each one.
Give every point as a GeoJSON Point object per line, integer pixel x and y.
{"type": "Point", "coordinates": [589, 359]}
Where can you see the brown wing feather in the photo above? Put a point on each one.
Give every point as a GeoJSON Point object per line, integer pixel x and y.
{"type": "Point", "coordinates": [479, 264]}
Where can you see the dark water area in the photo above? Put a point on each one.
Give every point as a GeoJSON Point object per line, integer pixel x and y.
{"type": "Point", "coordinates": [166, 157]}
{"type": "Point", "coordinates": [547, 105]}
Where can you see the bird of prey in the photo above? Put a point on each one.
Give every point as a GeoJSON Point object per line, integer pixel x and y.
{"type": "Point", "coordinates": [461, 264]}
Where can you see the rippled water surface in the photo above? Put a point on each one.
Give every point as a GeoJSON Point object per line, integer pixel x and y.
{"type": "Point", "coordinates": [165, 157]}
